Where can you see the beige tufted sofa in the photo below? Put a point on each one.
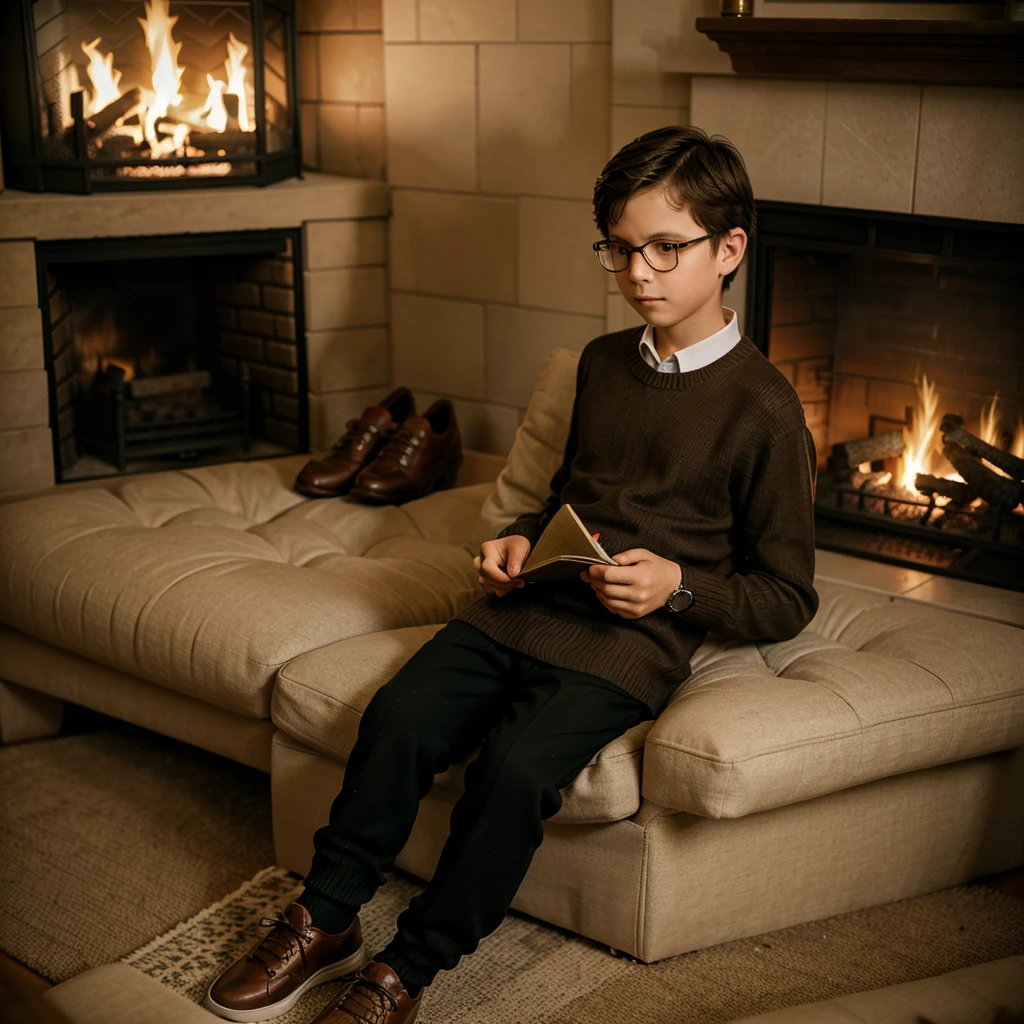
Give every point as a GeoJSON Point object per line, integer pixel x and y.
{"type": "Point", "coordinates": [875, 756]}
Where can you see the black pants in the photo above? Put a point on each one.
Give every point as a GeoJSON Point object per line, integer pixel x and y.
{"type": "Point", "coordinates": [539, 725]}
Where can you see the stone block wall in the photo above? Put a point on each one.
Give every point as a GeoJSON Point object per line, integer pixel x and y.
{"type": "Point", "coordinates": [341, 87]}
{"type": "Point", "coordinates": [498, 123]}
{"type": "Point", "coordinates": [26, 447]}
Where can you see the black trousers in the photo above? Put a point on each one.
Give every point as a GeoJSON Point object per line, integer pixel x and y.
{"type": "Point", "coordinates": [539, 725]}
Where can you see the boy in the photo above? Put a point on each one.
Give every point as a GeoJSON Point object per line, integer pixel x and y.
{"type": "Point", "coordinates": [688, 453]}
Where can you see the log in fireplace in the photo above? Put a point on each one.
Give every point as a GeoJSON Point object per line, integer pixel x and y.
{"type": "Point", "coordinates": [904, 337]}
{"type": "Point", "coordinates": [129, 94]}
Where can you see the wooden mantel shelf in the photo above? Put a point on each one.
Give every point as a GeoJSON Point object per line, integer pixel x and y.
{"type": "Point", "coordinates": [869, 50]}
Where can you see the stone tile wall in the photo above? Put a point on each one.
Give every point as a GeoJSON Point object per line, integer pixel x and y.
{"type": "Point", "coordinates": [26, 447]}
{"type": "Point", "coordinates": [341, 87]}
{"type": "Point", "coordinates": [944, 151]}
{"type": "Point", "coordinates": [498, 123]}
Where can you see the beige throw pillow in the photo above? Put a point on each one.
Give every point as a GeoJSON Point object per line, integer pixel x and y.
{"type": "Point", "coordinates": [522, 486]}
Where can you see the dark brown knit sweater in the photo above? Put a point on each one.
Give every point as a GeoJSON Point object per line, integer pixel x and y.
{"type": "Point", "coordinates": [714, 469]}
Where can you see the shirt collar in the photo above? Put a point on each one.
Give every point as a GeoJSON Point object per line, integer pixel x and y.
{"type": "Point", "coordinates": [693, 357]}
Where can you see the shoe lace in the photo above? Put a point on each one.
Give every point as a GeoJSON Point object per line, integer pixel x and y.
{"type": "Point", "coordinates": [284, 935]}
{"type": "Point", "coordinates": [358, 434]}
{"type": "Point", "coordinates": [367, 997]}
{"type": "Point", "coordinates": [401, 445]}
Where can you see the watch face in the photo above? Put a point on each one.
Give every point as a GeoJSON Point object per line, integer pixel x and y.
{"type": "Point", "coordinates": [680, 600]}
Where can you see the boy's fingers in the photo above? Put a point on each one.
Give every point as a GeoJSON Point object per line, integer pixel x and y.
{"type": "Point", "coordinates": [492, 570]}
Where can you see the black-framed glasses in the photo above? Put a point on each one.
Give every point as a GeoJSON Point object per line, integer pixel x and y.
{"type": "Point", "coordinates": [663, 257]}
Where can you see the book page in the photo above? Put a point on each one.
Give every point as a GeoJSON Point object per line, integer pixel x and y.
{"type": "Point", "coordinates": [566, 539]}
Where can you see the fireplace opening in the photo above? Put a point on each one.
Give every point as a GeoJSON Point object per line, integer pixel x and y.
{"type": "Point", "coordinates": [904, 338]}
{"type": "Point", "coordinates": [173, 351]}
{"type": "Point", "coordinates": [129, 94]}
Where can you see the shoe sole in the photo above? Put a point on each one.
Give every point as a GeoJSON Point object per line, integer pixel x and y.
{"type": "Point", "coordinates": [325, 974]}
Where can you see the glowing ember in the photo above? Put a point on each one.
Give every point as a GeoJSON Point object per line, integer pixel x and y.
{"type": "Point", "coordinates": [103, 77]}
{"type": "Point", "coordinates": [215, 112]}
{"type": "Point", "coordinates": [163, 53]}
{"type": "Point", "coordinates": [918, 454]}
{"type": "Point", "coordinates": [236, 79]}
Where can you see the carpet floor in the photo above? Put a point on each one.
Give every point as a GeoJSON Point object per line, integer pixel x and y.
{"type": "Point", "coordinates": [112, 837]}
{"type": "Point", "coordinates": [530, 973]}
{"type": "Point", "coordinates": [108, 838]}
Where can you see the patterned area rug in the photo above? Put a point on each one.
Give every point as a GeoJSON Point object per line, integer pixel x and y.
{"type": "Point", "coordinates": [528, 972]}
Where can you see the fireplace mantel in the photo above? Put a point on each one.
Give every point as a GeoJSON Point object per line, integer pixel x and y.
{"type": "Point", "coordinates": [50, 215]}
{"type": "Point", "coordinates": [873, 50]}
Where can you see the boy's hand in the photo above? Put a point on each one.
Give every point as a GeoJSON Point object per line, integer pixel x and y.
{"type": "Point", "coordinates": [640, 584]}
{"type": "Point", "coordinates": [500, 562]}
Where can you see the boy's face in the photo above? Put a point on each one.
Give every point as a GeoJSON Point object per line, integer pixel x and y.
{"type": "Point", "coordinates": [689, 295]}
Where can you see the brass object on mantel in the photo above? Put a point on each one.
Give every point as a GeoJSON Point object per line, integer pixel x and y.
{"type": "Point", "coordinates": [873, 50]}
{"type": "Point", "coordinates": [737, 8]}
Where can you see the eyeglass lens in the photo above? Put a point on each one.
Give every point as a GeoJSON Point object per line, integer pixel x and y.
{"type": "Point", "coordinates": [661, 256]}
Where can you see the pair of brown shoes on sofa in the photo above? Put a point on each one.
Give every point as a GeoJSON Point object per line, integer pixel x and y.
{"type": "Point", "coordinates": [293, 957]}
{"type": "Point", "coordinates": [389, 455]}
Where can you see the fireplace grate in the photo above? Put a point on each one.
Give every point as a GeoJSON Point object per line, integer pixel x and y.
{"type": "Point", "coordinates": [119, 428]}
{"type": "Point", "coordinates": [982, 545]}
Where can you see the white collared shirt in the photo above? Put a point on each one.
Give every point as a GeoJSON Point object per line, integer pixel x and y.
{"type": "Point", "coordinates": [694, 356]}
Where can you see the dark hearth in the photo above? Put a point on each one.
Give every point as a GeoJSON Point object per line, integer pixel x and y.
{"type": "Point", "coordinates": [129, 94]}
{"type": "Point", "coordinates": [181, 348]}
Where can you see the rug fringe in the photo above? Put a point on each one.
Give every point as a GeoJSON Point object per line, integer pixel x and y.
{"type": "Point", "coordinates": [256, 879]}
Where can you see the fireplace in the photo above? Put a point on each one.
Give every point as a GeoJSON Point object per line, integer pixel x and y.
{"type": "Point", "coordinates": [173, 351]}
{"type": "Point", "coordinates": [140, 94]}
{"type": "Point", "coordinates": [904, 337]}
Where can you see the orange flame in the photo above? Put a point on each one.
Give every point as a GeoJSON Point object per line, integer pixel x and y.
{"type": "Point", "coordinates": [920, 439]}
{"type": "Point", "coordinates": [1017, 447]}
{"type": "Point", "coordinates": [163, 54]}
{"type": "Point", "coordinates": [103, 76]}
{"type": "Point", "coordinates": [215, 112]}
{"type": "Point", "coordinates": [988, 429]}
{"type": "Point", "coordinates": [236, 79]}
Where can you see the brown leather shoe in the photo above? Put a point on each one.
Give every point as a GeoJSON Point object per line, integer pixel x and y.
{"type": "Point", "coordinates": [293, 957]}
{"type": "Point", "coordinates": [333, 475]}
{"type": "Point", "coordinates": [376, 996]}
{"type": "Point", "coordinates": [424, 455]}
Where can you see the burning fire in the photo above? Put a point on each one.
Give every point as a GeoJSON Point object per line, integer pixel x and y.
{"type": "Point", "coordinates": [236, 79]}
{"type": "Point", "coordinates": [918, 455]}
{"type": "Point", "coordinates": [1017, 447]}
{"type": "Point", "coordinates": [987, 429]}
{"type": "Point", "coordinates": [164, 91]}
{"type": "Point", "coordinates": [163, 52]}
{"type": "Point", "coordinates": [215, 112]}
{"type": "Point", "coordinates": [103, 77]}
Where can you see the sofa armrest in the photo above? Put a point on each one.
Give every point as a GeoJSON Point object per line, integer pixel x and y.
{"type": "Point", "coordinates": [479, 468]}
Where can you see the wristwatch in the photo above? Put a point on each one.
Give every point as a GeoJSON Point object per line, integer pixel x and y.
{"type": "Point", "coordinates": [680, 600]}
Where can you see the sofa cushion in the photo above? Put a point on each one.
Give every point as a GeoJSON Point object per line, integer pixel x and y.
{"type": "Point", "coordinates": [524, 483]}
{"type": "Point", "coordinates": [320, 697]}
{"type": "Point", "coordinates": [207, 581]}
{"type": "Point", "coordinates": [873, 687]}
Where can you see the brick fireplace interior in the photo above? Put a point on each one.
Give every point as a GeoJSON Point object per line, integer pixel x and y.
{"type": "Point", "coordinates": [173, 351]}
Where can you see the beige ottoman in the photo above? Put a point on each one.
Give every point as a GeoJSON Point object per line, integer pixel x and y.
{"type": "Point", "coordinates": [874, 757]}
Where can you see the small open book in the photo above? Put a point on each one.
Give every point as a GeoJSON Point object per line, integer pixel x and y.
{"type": "Point", "coordinates": [563, 550]}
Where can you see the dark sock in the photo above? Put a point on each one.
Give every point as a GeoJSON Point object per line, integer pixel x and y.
{"type": "Point", "coordinates": [328, 915]}
{"type": "Point", "coordinates": [412, 990]}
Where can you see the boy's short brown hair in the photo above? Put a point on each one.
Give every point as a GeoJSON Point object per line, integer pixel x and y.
{"type": "Point", "coordinates": [706, 174]}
